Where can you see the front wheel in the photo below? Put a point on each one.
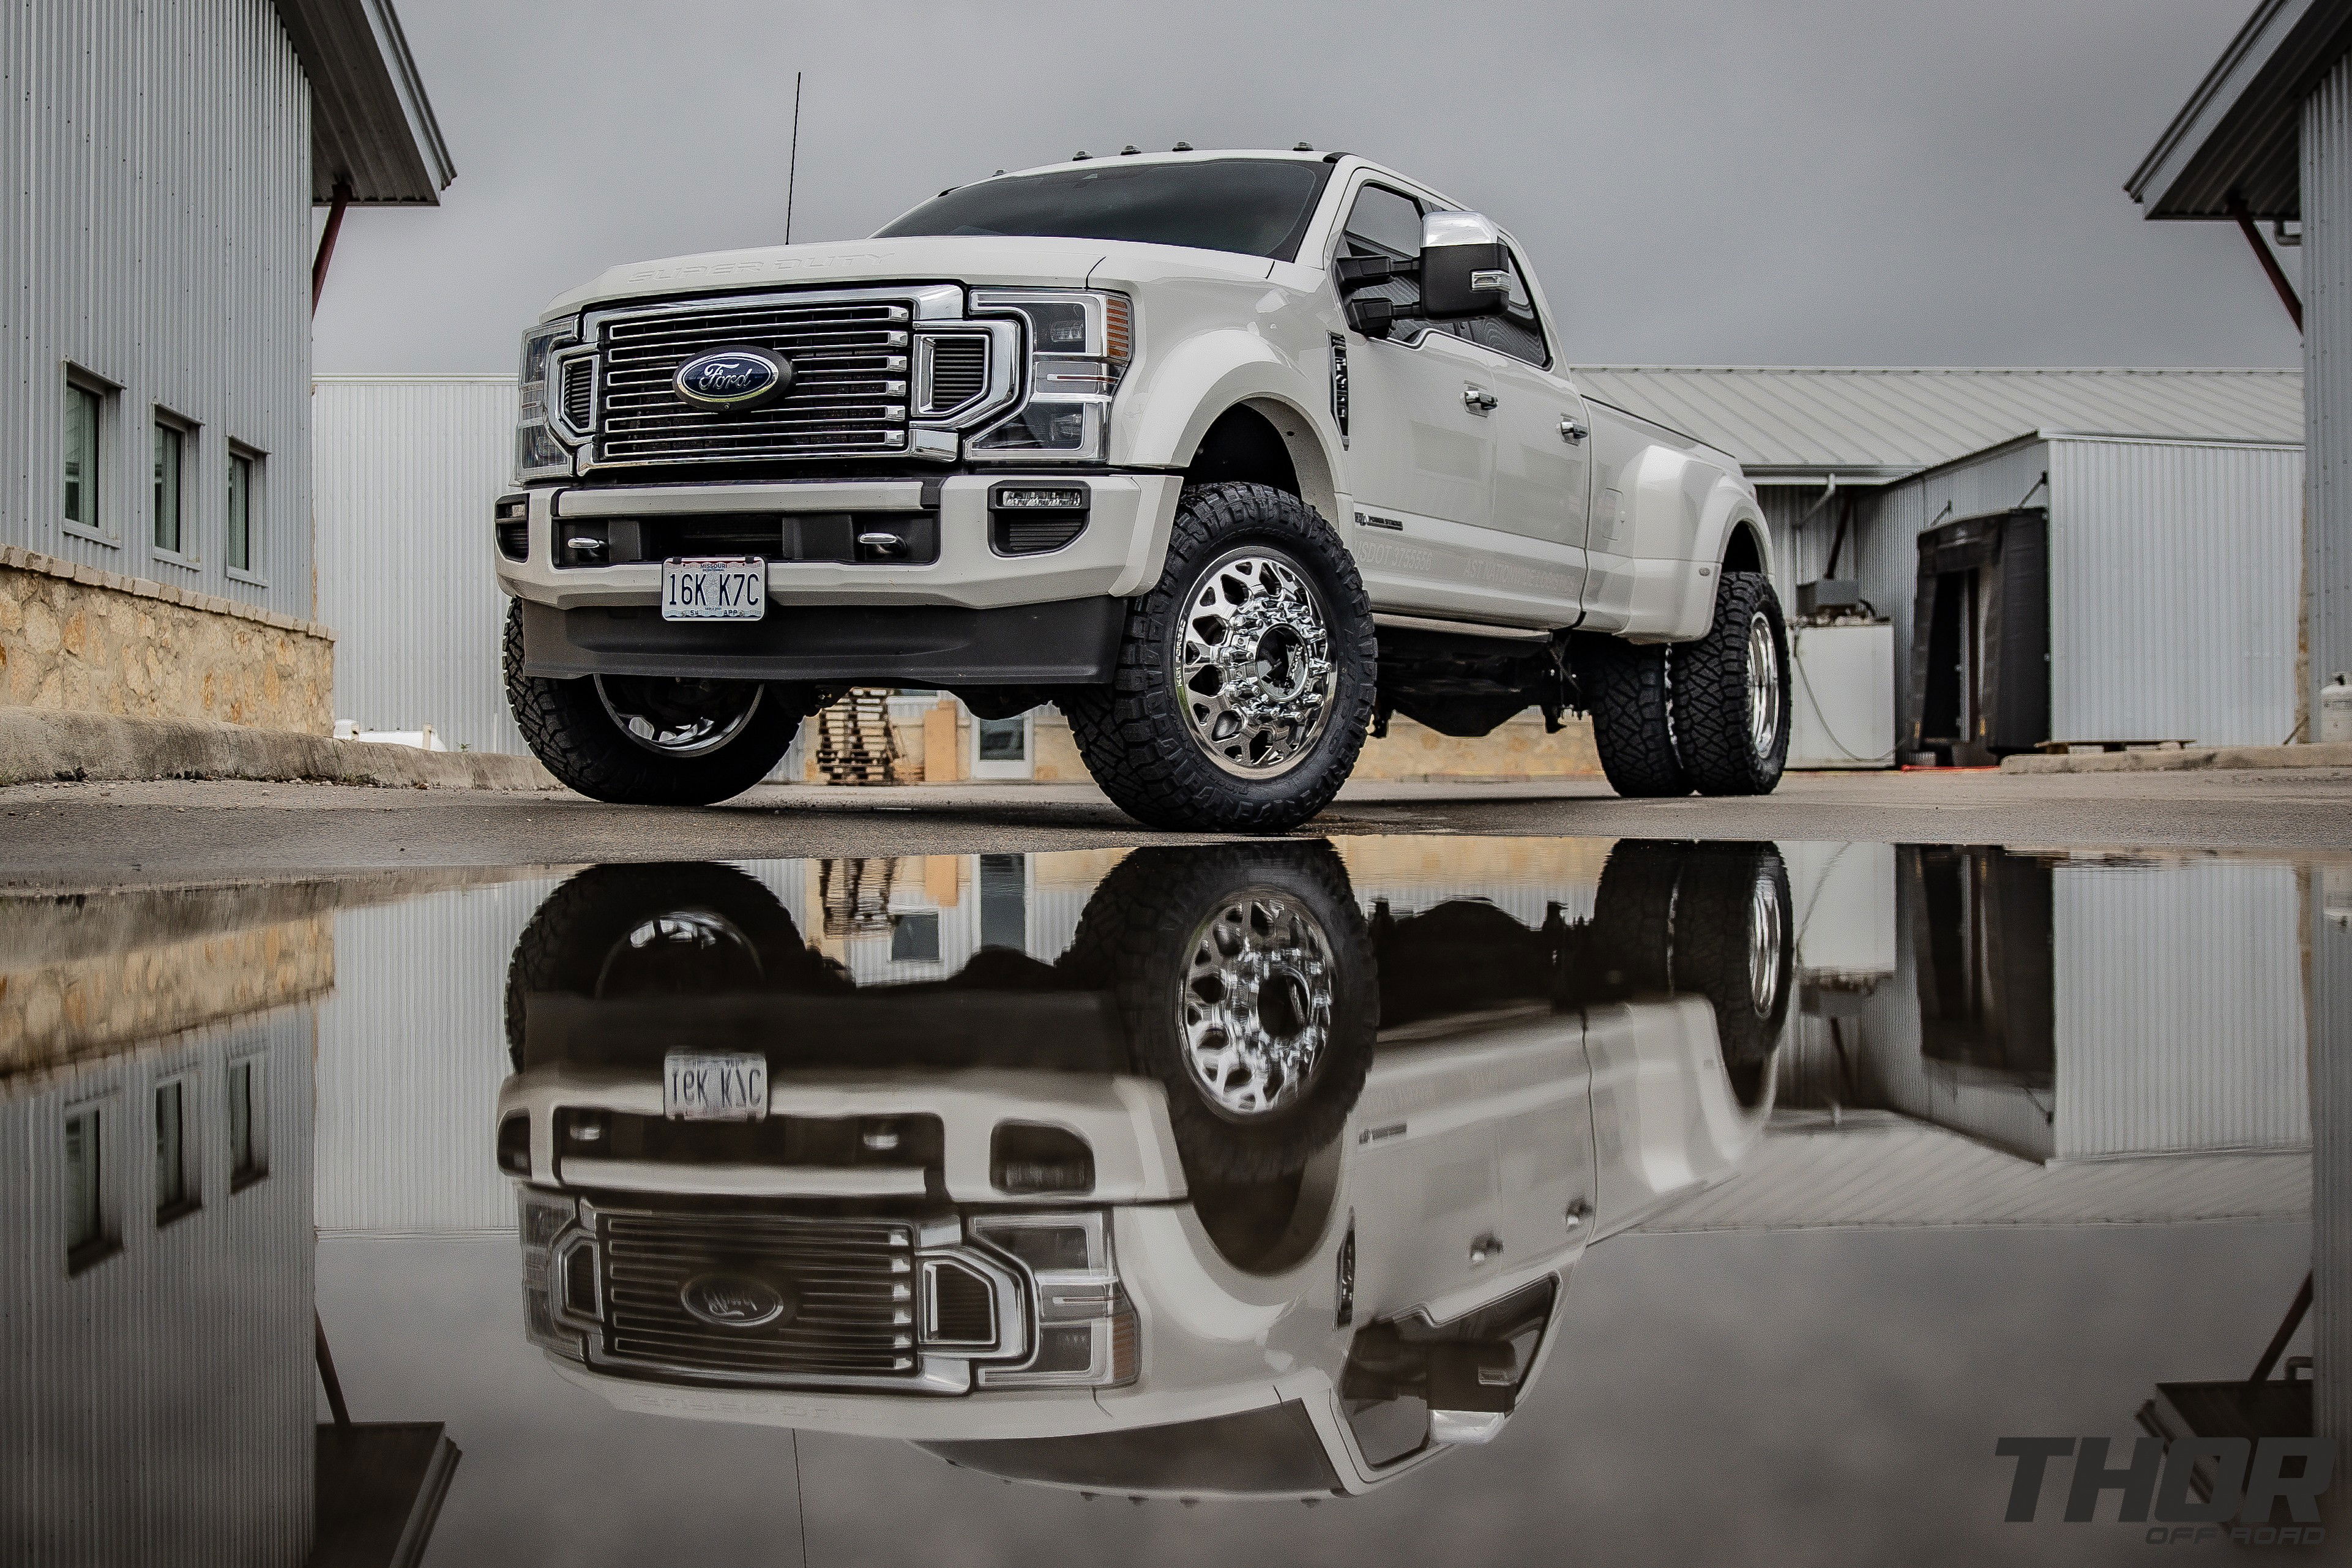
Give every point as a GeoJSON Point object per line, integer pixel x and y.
{"type": "Point", "coordinates": [1244, 682]}
{"type": "Point", "coordinates": [1731, 692]}
{"type": "Point", "coordinates": [640, 741]}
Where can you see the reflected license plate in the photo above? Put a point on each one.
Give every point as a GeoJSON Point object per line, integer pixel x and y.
{"type": "Point", "coordinates": [714, 588]}
{"type": "Point", "coordinates": [723, 1087]}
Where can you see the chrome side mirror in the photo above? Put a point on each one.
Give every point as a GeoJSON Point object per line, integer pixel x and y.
{"type": "Point", "coordinates": [1464, 270]}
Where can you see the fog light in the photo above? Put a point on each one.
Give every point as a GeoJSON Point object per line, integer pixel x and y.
{"type": "Point", "coordinates": [588, 1126]}
{"type": "Point", "coordinates": [1029, 1159]}
{"type": "Point", "coordinates": [1039, 498]}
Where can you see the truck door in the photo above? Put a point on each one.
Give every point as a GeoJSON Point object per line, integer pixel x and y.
{"type": "Point", "coordinates": [1419, 453]}
{"type": "Point", "coordinates": [1473, 1152]}
{"type": "Point", "coordinates": [1542, 446]}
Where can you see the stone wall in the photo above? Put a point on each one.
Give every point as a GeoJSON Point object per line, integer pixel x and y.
{"type": "Point", "coordinates": [73, 1008]}
{"type": "Point", "coordinates": [73, 638]}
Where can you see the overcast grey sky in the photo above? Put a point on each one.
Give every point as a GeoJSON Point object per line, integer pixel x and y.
{"type": "Point", "coordinates": [1824, 182]}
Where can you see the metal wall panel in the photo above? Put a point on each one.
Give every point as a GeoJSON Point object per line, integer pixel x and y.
{"type": "Point", "coordinates": [2327, 914]}
{"type": "Point", "coordinates": [406, 468]}
{"type": "Point", "coordinates": [412, 1049]}
{"type": "Point", "coordinates": [2327, 370]}
{"type": "Point", "coordinates": [156, 234]}
{"type": "Point", "coordinates": [2180, 1009]}
{"type": "Point", "coordinates": [184, 1358]}
{"type": "Point", "coordinates": [2174, 577]}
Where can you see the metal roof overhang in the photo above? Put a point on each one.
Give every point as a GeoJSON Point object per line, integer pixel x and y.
{"type": "Point", "coordinates": [2240, 130]}
{"type": "Point", "coordinates": [371, 127]}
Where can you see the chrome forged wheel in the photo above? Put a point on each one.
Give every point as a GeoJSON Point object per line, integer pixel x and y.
{"type": "Point", "coordinates": [1257, 1003]}
{"type": "Point", "coordinates": [679, 717]}
{"type": "Point", "coordinates": [1763, 684]}
{"type": "Point", "coordinates": [1254, 659]}
{"type": "Point", "coordinates": [1765, 939]}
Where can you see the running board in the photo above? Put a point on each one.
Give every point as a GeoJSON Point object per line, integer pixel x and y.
{"type": "Point", "coordinates": [1461, 628]}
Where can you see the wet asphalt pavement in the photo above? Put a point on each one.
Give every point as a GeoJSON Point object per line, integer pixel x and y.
{"type": "Point", "coordinates": [1503, 1175]}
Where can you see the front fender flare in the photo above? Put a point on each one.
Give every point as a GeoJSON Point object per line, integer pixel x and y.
{"type": "Point", "coordinates": [1162, 422]}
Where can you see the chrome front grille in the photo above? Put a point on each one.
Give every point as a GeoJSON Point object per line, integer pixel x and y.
{"type": "Point", "coordinates": [852, 1282]}
{"type": "Point", "coordinates": [848, 395]}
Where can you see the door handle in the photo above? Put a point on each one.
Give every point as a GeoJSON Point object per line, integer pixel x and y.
{"type": "Point", "coordinates": [1571, 430]}
{"type": "Point", "coordinates": [1477, 399]}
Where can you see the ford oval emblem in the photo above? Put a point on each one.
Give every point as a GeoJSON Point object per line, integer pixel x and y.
{"type": "Point", "coordinates": [732, 379]}
{"type": "Point", "coordinates": [734, 1300]}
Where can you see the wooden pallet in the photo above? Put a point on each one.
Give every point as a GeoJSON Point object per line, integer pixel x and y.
{"type": "Point", "coordinates": [854, 742]}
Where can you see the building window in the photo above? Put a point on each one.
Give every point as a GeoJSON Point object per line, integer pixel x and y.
{"type": "Point", "coordinates": [171, 473]}
{"type": "Point", "coordinates": [914, 937]}
{"type": "Point", "coordinates": [236, 539]}
{"type": "Point", "coordinates": [175, 1187]}
{"type": "Point", "coordinates": [248, 1145]}
{"type": "Point", "coordinates": [88, 1237]}
{"type": "Point", "coordinates": [83, 407]}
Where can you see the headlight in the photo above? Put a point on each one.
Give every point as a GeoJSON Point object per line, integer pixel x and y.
{"type": "Point", "coordinates": [1086, 1325]}
{"type": "Point", "coordinates": [537, 454]}
{"type": "Point", "coordinates": [553, 1249]}
{"type": "Point", "coordinates": [1080, 344]}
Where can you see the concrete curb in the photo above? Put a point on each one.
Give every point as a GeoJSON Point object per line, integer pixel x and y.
{"type": "Point", "coordinates": [38, 746]}
{"type": "Point", "coordinates": [2333, 755]}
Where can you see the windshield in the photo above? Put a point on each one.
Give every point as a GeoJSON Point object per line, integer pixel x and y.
{"type": "Point", "coordinates": [1252, 206]}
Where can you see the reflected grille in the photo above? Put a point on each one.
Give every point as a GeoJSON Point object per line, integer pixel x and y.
{"type": "Point", "coordinates": [851, 1283]}
{"type": "Point", "coordinates": [848, 393]}
{"type": "Point", "coordinates": [963, 1307]}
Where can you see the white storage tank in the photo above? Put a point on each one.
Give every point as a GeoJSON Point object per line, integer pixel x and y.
{"type": "Point", "coordinates": [1841, 694]}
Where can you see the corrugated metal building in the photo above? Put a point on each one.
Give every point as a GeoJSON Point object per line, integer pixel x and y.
{"type": "Point", "coordinates": [2268, 136]}
{"type": "Point", "coordinates": [155, 250]}
{"type": "Point", "coordinates": [407, 468]}
{"type": "Point", "coordinates": [2169, 502]}
{"type": "Point", "coordinates": [2065, 1009]}
{"type": "Point", "coordinates": [157, 1333]}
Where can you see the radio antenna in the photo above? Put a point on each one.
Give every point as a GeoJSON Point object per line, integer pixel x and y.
{"type": "Point", "coordinates": [793, 166]}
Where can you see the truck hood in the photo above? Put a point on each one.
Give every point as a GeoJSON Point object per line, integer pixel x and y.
{"type": "Point", "coordinates": [982, 260]}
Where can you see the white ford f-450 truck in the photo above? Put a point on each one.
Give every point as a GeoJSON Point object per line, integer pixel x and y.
{"type": "Point", "coordinates": [1229, 455]}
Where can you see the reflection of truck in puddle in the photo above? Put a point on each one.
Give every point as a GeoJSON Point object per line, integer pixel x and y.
{"type": "Point", "coordinates": [1241, 1195]}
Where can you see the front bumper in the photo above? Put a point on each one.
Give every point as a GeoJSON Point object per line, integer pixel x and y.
{"type": "Point", "coordinates": [1119, 554]}
{"type": "Point", "coordinates": [1122, 1119]}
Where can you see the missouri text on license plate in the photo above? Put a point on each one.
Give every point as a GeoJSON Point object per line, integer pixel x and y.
{"type": "Point", "coordinates": [714, 1087]}
{"type": "Point", "coordinates": [729, 588]}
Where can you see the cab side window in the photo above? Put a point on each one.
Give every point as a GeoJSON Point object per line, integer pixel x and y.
{"type": "Point", "coordinates": [1387, 222]}
{"type": "Point", "coordinates": [1518, 331]}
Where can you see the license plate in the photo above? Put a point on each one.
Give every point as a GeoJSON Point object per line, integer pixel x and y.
{"type": "Point", "coordinates": [725, 1087]}
{"type": "Point", "coordinates": [714, 588]}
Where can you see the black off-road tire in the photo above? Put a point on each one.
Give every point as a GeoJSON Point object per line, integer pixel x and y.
{"type": "Point", "coordinates": [1136, 940]}
{"type": "Point", "coordinates": [1710, 690]}
{"type": "Point", "coordinates": [1133, 734]}
{"type": "Point", "coordinates": [1679, 918]}
{"type": "Point", "coordinates": [1628, 688]}
{"type": "Point", "coordinates": [568, 945]}
{"type": "Point", "coordinates": [566, 726]}
{"type": "Point", "coordinates": [1718, 930]}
